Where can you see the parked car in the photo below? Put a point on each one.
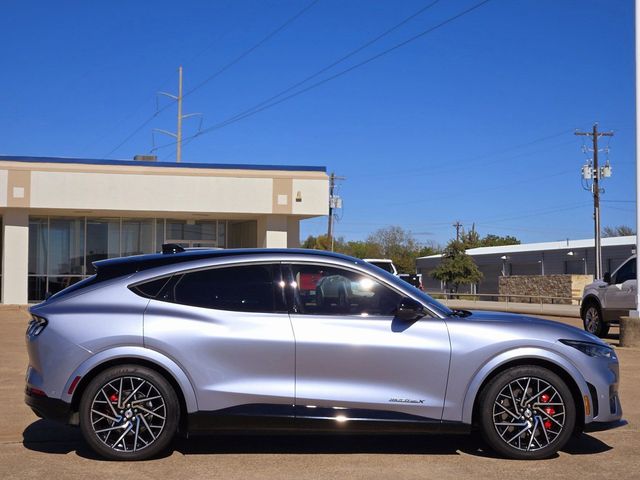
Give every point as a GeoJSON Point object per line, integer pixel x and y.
{"type": "Point", "coordinates": [605, 301]}
{"type": "Point", "coordinates": [414, 279]}
{"type": "Point", "coordinates": [384, 263]}
{"type": "Point", "coordinates": [233, 340]}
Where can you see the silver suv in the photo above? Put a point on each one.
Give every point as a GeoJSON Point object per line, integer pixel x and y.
{"type": "Point", "coordinates": [241, 340]}
{"type": "Point", "coordinates": [605, 301]}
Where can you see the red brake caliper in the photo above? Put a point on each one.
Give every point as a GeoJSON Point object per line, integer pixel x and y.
{"type": "Point", "coordinates": [544, 398]}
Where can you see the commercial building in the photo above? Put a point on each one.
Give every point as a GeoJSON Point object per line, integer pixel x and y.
{"type": "Point", "coordinates": [59, 215]}
{"type": "Point", "coordinates": [570, 257]}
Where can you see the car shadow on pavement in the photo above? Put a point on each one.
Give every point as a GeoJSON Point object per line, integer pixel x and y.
{"type": "Point", "coordinates": [50, 437]}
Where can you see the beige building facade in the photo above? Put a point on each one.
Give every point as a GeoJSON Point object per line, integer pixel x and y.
{"type": "Point", "coordinates": [59, 215]}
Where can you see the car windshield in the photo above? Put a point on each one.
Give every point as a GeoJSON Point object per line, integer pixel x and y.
{"type": "Point", "coordinates": [431, 302]}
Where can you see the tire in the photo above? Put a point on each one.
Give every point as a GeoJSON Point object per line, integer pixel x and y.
{"type": "Point", "coordinates": [145, 420]}
{"type": "Point", "coordinates": [593, 321]}
{"type": "Point", "coordinates": [534, 430]}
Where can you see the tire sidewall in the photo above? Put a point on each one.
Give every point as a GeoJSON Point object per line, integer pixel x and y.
{"type": "Point", "coordinates": [601, 328]}
{"type": "Point", "coordinates": [489, 395]}
{"type": "Point", "coordinates": [164, 388]}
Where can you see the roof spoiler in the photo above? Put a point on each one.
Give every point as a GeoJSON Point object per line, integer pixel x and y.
{"type": "Point", "coordinates": [168, 248]}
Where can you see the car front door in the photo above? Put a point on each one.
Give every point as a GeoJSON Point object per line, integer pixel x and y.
{"type": "Point", "coordinates": [229, 329]}
{"type": "Point", "coordinates": [354, 359]}
{"type": "Point", "coordinates": [621, 293]}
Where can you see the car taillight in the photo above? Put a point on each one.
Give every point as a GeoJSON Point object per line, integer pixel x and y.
{"type": "Point", "coordinates": [34, 392]}
{"type": "Point", "coordinates": [36, 326]}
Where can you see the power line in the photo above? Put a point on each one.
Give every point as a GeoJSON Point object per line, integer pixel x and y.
{"type": "Point", "coordinates": [317, 73]}
{"type": "Point", "coordinates": [251, 50]}
{"type": "Point", "coordinates": [244, 54]}
{"type": "Point", "coordinates": [469, 161]}
{"type": "Point", "coordinates": [253, 111]}
{"type": "Point", "coordinates": [484, 155]}
{"type": "Point", "coordinates": [341, 59]}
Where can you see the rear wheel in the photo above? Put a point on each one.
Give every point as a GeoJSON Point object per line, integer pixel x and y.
{"type": "Point", "coordinates": [527, 412]}
{"type": "Point", "coordinates": [129, 412]}
{"type": "Point", "coordinates": [593, 321]}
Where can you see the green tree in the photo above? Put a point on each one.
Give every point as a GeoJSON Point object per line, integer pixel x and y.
{"type": "Point", "coordinates": [491, 240]}
{"type": "Point", "coordinates": [400, 246]}
{"type": "Point", "coordinates": [392, 242]}
{"type": "Point", "coordinates": [456, 268]}
{"type": "Point", "coordinates": [473, 240]}
{"type": "Point", "coordinates": [619, 231]}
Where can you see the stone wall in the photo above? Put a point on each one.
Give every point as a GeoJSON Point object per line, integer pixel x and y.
{"type": "Point", "coordinates": [525, 288]}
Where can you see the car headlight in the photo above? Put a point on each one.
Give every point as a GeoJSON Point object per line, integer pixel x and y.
{"type": "Point", "coordinates": [36, 326]}
{"type": "Point", "coordinates": [591, 349]}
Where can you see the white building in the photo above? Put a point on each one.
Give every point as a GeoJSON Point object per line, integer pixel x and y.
{"type": "Point", "coordinates": [546, 258]}
{"type": "Point", "coordinates": [59, 214]}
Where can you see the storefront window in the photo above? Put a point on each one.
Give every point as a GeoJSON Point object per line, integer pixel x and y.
{"type": "Point", "coordinates": [137, 237]}
{"type": "Point", "coordinates": [199, 233]}
{"type": "Point", "coordinates": [103, 241]}
{"type": "Point", "coordinates": [66, 246]}
{"type": "Point", "coordinates": [62, 250]}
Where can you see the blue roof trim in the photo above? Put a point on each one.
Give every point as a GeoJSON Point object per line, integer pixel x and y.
{"type": "Point", "coordinates": [139, 163]}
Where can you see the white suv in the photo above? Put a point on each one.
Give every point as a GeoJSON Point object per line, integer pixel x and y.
{"type": "Point", "coordinates": [605, 301]}
{"type": "Point", "coordinates": [383, 263]}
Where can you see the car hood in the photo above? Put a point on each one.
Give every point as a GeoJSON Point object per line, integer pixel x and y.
{"type": "Point", "coordinates": [513, 319]}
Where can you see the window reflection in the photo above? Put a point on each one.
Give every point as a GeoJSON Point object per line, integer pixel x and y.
{"type": "Point", "coordinates": [62, 250]}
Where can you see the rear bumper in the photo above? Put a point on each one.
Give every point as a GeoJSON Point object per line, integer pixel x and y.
{"type": "Point", "coordinates": [48, 408]}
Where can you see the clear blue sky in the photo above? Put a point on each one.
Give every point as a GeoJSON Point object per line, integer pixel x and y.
{"type": "Point", "coordinates": [472, 122]}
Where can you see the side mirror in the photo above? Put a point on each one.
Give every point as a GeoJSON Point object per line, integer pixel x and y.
{"type": "Point", "coordinates": [409, 310]}
{"type": "Point", "coordinates": [607, 277]}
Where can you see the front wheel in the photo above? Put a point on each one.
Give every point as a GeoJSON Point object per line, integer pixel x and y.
{"type": "Point", "coordinates": [129, 412]}
{"type": "Point", "coordinates": [593, 321]}
{"type": "Point", "coordinates": [527, 413]}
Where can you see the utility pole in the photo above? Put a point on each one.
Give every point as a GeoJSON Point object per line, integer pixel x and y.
{"type": "Point", "coordinates": [179, 129]}
{"type": "Point", "coordinates": [595, 172]}
{"type": "Point", "coordinates": [178, 134]}
{"type": "Point", "coordinates": [636, 312]}
{"type": "Point", "coordinates": [457, 226]}
{"type": "Point", "coordinates": [335, 202]}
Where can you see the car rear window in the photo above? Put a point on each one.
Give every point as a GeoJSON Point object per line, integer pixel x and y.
{"type": "Point", "coordinates": [245, 288]}
{"type": "Point", "coordinates": [150, 289]}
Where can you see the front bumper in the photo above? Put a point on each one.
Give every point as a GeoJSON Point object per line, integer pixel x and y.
{"type": "Point", "coordinates": [48, 408]}
{"type": "Point", "coordinates": [603, 390]}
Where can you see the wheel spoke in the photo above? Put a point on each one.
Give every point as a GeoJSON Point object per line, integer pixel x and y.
{"type": "Point", "coordinates": [104, 415]}
{"type": "Point", "coordinates": [522, 419]}
{"type": "Point", "coordinates": [138, 422]}
{"type": "Point", "coordinates": [507, 410]}
{"type": "Point", "coordinates": [150, 412]}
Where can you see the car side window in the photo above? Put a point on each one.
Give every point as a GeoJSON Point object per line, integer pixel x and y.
{"type": "Point", "coordinates": [151, 288]}
{"type": "Point", "coordinates": [323, 290]}
{"type": "Point", "coordinates": [246, 288]}
{"type": "Point", "coordinates": [626, 272]}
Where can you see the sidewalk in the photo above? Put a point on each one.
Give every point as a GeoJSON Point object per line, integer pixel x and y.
{"type": "Point", "coordinates": [513, 307]}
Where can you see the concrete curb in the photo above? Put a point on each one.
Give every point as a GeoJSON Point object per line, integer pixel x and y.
{"type": "Point", "coordinates": [512, 307]}
{"type": "Point", "coordinates": [629, 332]}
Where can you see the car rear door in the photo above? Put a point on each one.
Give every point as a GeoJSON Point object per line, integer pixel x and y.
{"type": "Point", "coordinates": [355, 360]}
{"type": "Point", "coordinates": [229, 329]}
